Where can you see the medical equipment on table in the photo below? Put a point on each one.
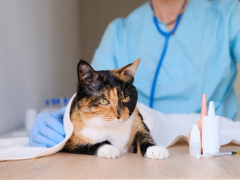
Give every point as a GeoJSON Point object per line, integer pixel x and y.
{"type": "Point", "coordinates": [208, 155]}
{"type": "Point", "coordinates": [203, 113]}
{"type": "Point", "coordinates": [211, 131]}
{"type": "Point", "coordinates": [167, 36]}
{"type": "Point", "coordinates": [209, 126]}
{"type": "Point", "coordinates": [195, 141]}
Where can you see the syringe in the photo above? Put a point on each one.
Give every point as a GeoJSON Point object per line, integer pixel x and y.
{"type": "Point", "coordinates": [208, 155]}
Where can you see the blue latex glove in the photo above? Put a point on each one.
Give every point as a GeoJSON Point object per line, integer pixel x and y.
{"type": "Point", "coordinates": [47, 131]}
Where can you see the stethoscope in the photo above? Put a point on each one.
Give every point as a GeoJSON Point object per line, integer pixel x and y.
{"type": "Point", "coordinates": [167, 36]}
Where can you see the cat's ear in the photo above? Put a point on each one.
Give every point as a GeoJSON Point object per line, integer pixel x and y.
{"type": "Point", "coordinates": [87, 77]}
{"type": "Point", "coordinates": [127, 72]}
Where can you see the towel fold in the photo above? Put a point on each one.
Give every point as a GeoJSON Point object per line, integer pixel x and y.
{"type": "Point", "coordinates": [166, 130]}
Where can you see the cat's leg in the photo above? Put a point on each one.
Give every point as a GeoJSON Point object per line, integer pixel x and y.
{"type": "Point", "coordinates": [103, 149]}
{"type": "Point", "coordinates": [157, 152]}
{"type": "Point", "coordinates": [144, 144]}
{"type": "Point", "coordinates": [108, 151]}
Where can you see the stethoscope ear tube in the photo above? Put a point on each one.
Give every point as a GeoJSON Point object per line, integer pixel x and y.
{"type": "Point", "coordinates": [167, 36]}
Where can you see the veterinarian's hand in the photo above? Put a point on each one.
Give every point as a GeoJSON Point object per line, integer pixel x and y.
{"type": "Point", "coordinates": [47, 131]}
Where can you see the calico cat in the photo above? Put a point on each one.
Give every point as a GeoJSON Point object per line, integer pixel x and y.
{"type": "Point", "coordinates": [105, 118]}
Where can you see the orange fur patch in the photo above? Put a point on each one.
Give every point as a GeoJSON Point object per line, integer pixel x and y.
{"type": "Point", "coordinates": [107, 112]}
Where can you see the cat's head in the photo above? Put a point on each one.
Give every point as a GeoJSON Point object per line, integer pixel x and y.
{"type": "Point", "coordinates": [106, 98]}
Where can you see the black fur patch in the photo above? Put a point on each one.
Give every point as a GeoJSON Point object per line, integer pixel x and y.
{"type": "Point", "coordinates": [135, 144]}
{"type": "Point", "coordinates": [89, 149]}
{"type": "Point", "coordinates": [141, 141]}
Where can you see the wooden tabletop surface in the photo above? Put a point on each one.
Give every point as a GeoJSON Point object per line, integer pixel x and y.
{"type": "Point", "coordinates": [73, 166]}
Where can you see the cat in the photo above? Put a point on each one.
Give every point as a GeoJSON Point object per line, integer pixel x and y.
{"type": "Point", "coordinates": [105, 118]}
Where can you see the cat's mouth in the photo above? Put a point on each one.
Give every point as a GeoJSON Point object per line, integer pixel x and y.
{"type": "Point", "coordinates": [116, 122]}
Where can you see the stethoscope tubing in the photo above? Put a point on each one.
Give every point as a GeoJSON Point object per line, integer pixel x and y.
{"type": "Point", "coordinates": [167, 37]}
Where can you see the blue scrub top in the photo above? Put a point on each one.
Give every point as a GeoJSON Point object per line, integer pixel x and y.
{"type": "Point", "coordinates": [201, 56]}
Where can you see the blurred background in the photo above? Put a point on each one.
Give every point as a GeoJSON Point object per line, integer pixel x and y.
{"type": "Point", "coordinates": [41, 42]}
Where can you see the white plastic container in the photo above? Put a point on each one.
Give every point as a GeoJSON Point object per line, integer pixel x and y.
{"type": "Point", "coordinates": [211, 131]}
{"type": "Point", "coordinates": [195, 141]}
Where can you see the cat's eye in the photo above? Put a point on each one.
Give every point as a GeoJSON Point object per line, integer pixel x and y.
{"type": "Point", "coordinates": [126, 99]}
{"type": "Point", "coordinates": [104, 102]}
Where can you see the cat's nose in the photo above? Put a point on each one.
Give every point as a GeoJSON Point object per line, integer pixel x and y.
{"type": "Point", "coordinates": [119, 112]}
{"type": "Point", "coordinates": [119, 116]}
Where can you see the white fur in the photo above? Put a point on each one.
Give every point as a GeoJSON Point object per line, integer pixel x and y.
{"type": "Point", "coordinates": [157, 152]}
{"type": "Point", "coordinates": [108, 151]}
{"type": "Point", "coordinates": [116, 132]}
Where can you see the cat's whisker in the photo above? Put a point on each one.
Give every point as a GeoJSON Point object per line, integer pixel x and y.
{"type": "Point", "coordinates": [127, 94]}
{"type": "Point", "coordinates": [123, 85]}
{"type": "Point", "coordinates": [129, 90]}
{"type": "Point", "coordinates": [129, 87]}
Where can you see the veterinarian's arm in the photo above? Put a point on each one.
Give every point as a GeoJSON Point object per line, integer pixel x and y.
{"type": "Point", "coordinates": [47, 131]}
{"type": "Point", "coordinates": [235, 31]}
{"type": "Point", "coordinates": [104, 56]}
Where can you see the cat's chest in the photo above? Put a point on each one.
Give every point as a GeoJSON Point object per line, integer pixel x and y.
{"type": "Point", "coordinates": [118, 136]}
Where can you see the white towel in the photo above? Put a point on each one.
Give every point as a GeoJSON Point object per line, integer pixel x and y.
{"type": "Point", "coordinates": [166, 130]}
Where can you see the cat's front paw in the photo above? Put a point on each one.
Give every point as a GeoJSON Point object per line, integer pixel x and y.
{"type": "Point", "coordinates": [108, 151]}
{"type": "Point", "coordinates": [157, 152]}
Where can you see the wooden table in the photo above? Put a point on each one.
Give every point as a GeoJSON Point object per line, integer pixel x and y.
{"type": "Point", "coordinates": [178, 165]}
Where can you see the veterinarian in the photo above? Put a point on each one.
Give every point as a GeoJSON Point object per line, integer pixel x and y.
{"type": "Point", "coordinates": [187, 47]}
